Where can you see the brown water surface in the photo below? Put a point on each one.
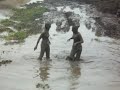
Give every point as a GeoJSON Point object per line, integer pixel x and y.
{"type": "Point", "coordinates": [99, 68]}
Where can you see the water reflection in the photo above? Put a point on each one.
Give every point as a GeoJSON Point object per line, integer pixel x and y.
{"type": "Point", "coordinates": [44, 75]}
{"type": "Point", "coordinates": [44, 70]}
{"type": "Point", "coordinates": [75, 73]}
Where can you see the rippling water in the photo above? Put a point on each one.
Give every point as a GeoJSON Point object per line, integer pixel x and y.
{"type": "Point", "coordinates": [98, 69]}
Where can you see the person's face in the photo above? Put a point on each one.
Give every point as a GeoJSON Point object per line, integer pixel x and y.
{"type": "Point", "coordinates": [74, 30]}
{"type": "Point", "coordinates": [47, 27]}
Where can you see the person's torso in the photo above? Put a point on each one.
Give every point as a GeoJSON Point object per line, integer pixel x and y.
{"type": "Point", "coordinates": [45, 38]}
{"type": "Point", "coordinates": [76, 37]}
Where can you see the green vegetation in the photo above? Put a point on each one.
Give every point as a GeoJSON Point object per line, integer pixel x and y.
{"type": "Point", "coordinates": [24, 22]}
{"type": "Point", "coordinates": [5, 29]}
{"type": "Point", "coordinates": [20, 35]}
{"type": "Point", "coordinates": [28, 14]}
{"type": "Point", "coordinates": [7, 22]}
{"type": "Point", "coordinates": [23, 17]}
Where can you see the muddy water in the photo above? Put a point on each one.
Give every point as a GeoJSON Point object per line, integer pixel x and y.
{"type": "Point", "coordinates": [98, 69]}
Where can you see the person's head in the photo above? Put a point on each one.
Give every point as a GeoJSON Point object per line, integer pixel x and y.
{"type": "Point", "coordinates": [75, 29]}
{"type": "Point", "coordinates": [47, 26]}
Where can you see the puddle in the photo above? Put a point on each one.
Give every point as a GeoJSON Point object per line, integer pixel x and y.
{"type": "Point", "coordinates": [97, 69]}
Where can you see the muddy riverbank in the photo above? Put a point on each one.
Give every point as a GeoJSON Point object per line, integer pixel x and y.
{"type": "Point", "coordinates": [108, 20]}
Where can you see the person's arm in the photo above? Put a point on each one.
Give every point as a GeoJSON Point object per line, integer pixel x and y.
{"type": "Point", "coordinates": [70, 38]}
{"type": "Point", "coordinates": [38, 41]}
{"type": "Point", "coordinates": [49, 41]}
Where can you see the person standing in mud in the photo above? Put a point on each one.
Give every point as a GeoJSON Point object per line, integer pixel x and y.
{"type": "Point", "coordinates": [77, 44]}
{"type": "Point", "coordinates": [45, 44]}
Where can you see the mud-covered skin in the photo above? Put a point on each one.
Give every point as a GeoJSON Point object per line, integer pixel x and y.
{"type": "Point", "coordinates": [99, 67]}
{"type": "Point", "coordinates": [76, 52]}
{"type": "Point", "coordinates": [77, 44]}
{"type": "Point", "coordinates": [45, 48]}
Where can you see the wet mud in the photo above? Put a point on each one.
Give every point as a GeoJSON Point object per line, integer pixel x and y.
{"type": "Point", "coordinates": [5, 62]}
{"type": "Point", "coordinates": [99, 67]}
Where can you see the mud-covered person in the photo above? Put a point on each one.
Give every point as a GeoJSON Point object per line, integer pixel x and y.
{"type": "Point", "coordinates": [77, 44]}
{"type": "Point", "coordinates": [45, 44]}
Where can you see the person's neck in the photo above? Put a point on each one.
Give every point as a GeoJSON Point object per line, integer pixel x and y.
{"type": "Point", "coordinates": [46, 30]}
{"type": "Point", "coordinates": [75, 32]}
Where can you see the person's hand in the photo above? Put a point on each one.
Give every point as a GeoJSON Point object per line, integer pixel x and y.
{"type": "Point", "coordinates": [68, 40]}
{"type": "Point", "coordinates": [35, 48]}
{"type": "Point", "coordinates": [49, 43]}
{"type": "Point", "coordinates": [74, 44]}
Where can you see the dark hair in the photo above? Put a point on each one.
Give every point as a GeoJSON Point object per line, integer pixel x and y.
{"type": "Point", "coordinates": [47, 26]}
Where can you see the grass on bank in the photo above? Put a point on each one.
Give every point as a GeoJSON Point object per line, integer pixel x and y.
{"type": "Point", "coordinates": [28, 14]}
{"type": "Point", "coordinates": [5, 29]}
{"type": "Point", "coordinates": [20, 35]}
{"type": "Point", "coordinates": [24, 15]}
{"type": "Point", "coordinates": [23, 19]}
{"type": "Point", "coordinates": [7, 22]}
